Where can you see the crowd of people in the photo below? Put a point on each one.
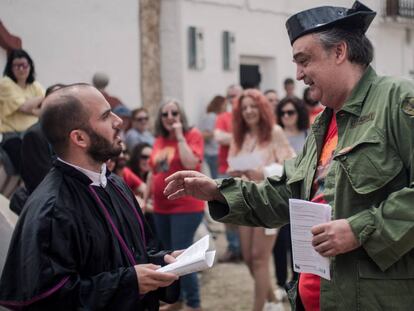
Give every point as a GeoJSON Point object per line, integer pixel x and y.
{"type": "Point", "coordinates": [109, 195]}
{"type": "Point", "coordinates": [244, 123]}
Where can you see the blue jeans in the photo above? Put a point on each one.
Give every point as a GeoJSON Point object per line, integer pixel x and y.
{"type": "Point", "coordinates": [176, 231]}
{"type": "Point", "coordinates": [212, 162]}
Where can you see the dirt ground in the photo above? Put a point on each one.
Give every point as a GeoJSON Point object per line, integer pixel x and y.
{"type": "Point", "coordinates": [227, 286]}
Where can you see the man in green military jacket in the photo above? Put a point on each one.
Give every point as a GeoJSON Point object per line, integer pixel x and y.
{"type": "Point", "coordinates": [359, 158]}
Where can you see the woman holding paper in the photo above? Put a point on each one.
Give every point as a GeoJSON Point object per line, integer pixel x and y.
{"type": "Point", "coordinates": [256, 137]}
{"type": "Point", "coordinates": [177, 147]}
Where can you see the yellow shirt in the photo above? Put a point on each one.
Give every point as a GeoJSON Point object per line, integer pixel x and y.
{"type": "Point", "coordinates": [12, 96]}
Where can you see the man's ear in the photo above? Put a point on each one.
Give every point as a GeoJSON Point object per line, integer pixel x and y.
{"type": "Point", "coordinates": [341, 52]}
{"type": "Point", "coordinates": [79, 138]}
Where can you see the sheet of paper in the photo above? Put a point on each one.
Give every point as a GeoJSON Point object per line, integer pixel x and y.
{"type": "Point", "coordinates": [245, 162]}
{"type": "Point", "coordinates": [273, 169]}
{"type": "Point", "coordinates": [195, 258]}
{"type": "Point", "coordinates": [303, 216]}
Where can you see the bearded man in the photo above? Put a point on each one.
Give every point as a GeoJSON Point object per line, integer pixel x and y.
{"type": "Point", "coordinates": [81, 242]}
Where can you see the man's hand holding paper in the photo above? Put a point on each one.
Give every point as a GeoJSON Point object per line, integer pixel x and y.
{"type": "Point", "coordinates": [333, 238]}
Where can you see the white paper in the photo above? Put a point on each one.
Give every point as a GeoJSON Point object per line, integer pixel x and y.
{"type": "Point", "coordinates": [246, 161]}
{"type": "Point", "coordinates": [274, 169]}
{"type": "Point", "coordinates": [303, 216]}
{"type": "Point", "coordinates": [193, 259]}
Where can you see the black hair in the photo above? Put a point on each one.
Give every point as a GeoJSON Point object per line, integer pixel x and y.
{"type": "Point", "coordinates": [309, 101]}
{"type": "Point", "coordinates": [288, 81]}
{"type": "Point", "coordinates": [66, 114]}
{"type": "Point", "coordinates": [134, 159]}
{"type": "Point", "coordinates": [53, 88]}
{"type": "Point", "coordinates": [303, 114]}
{"type": "Point", "coordinates": [8, 70]}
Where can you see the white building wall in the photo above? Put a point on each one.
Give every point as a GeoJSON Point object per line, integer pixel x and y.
{"type": "Point", "coordinates": [70, 40]}
{"type": "Point", "coordinates": [261, 38]}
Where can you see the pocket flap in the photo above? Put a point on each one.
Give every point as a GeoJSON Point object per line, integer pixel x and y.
{"type": "Point", "coordinates": [399, 271]}
{"type": "Point", "coordinates": [369, 164]}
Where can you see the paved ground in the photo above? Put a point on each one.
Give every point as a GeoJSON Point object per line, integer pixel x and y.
{"type": "Point", "coordinates": [229, 286]}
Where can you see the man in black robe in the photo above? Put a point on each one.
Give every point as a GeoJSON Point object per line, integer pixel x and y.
{"type": "Point", "coordinates": [81, 242]}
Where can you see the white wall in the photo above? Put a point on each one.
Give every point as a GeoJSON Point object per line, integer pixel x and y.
{"type": "Point", "coordinates": [259, 27]}
{"type": "Point", "coordinates": [70, 40]}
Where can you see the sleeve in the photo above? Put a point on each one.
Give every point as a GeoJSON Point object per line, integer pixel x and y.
{"type": "Point", "coordinates": [221, 122]}
{"type": "Point", "coordinates": [39, 90]}
{"type": "Point", "coordinates": [41, 270]}
{"type": "Point", "coordinates": [262, 204]}
{"type": "Point", "coordinates": [10, 97]}
{"type": "Point", "coordinates": [386, 232]}
{"type": "Point", "coordinates": [132, 180]}
{"type": "Point", "coordinates": [282, 149]}
{"type": "Point", "coordinates": [196, 143]}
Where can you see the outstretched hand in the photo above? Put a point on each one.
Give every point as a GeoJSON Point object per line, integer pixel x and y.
{"type": "Point", "coordinates": [194, 184]}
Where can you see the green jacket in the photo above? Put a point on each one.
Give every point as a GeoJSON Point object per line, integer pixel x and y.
{"type": "Point", "coordinates": [370, 183]}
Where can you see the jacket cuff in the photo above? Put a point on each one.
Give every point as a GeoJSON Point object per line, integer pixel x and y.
{"type": "Point", "coordinates": [231, 190]}
{"type": "Point", "coordinates": [378, 249]}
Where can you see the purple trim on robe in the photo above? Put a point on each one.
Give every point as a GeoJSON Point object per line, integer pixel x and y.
{"type": "Point", "coordinates": [118, 235]}
{"type": "Point", "coordinates": [20, 304]}
{"type": "Point", "coordinates": [134, 210]}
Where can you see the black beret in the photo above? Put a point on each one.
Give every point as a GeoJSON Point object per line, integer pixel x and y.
{"type": "Point", "coordinates": [357, 18]}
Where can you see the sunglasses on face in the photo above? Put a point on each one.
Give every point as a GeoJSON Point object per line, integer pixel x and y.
{"type": "Point", "coordinates": [288, 112]}
{"type": "Point", "coordinates": [21, 66]}
{"type": "Point", "coordinates": [173, 113]}
{"type": "Point", "coordinates": [144, 156]}
{"type": "Point", "coordinates": [140, 119]}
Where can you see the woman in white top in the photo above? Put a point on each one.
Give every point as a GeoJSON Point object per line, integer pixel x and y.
{"type": "Point", "coordinates": [259, 143]}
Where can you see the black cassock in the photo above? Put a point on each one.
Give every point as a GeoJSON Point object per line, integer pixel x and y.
{"type": "Point", "coordinates": [75, 245]}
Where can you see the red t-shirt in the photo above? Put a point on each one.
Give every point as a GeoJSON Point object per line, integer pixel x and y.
{"type": "Point", "coordinates": [310, 284]}
{"type": "Point", "coordinates": [131, 179]}
{"type": "Point", "coordinates": [165, 160]}
{"type": "Point", "coordinates": [313, 113]}
{"type": "Point", "coordinates": [224, 123]}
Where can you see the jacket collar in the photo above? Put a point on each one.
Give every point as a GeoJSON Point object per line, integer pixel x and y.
{"type": "Point", "coordinates": [354, 103]}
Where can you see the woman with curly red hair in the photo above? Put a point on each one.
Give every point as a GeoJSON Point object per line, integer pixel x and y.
{"type": "Point", "coordinates": [260, 142]}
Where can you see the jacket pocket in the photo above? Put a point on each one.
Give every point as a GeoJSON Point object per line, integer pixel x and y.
{"type": "Point", "coordinates": [369, 164]}
{"type": "Point", "coordinates": [385, 290]}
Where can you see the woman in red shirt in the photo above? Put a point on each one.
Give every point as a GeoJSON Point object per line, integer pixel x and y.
{"type": "Point", "coordinates": [176, 147]}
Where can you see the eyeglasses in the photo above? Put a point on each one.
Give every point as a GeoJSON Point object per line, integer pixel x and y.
{"type": "Point", "coordinates": [173, 113]}
{"type": "Point", "coordinates": [21, 66]}
{"type": "Point", "coordinates": [140, 119]}
{"type": "Point", "coordinates": [288, 112]}
{"type": "Point", "coordinates": [144, 156]}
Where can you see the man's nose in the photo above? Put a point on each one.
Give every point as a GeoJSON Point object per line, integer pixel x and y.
{"type": "Point", "coordinates": [117, 120]}
{"type": "Point", "coordinates": [299, 73]}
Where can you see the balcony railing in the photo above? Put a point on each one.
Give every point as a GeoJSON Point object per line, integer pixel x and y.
{"type": "Point", "coordinates": [400, 8]}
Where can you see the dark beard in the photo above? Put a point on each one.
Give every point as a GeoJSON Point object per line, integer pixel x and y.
{"type": "Point", "coordinates": [101, 150]}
